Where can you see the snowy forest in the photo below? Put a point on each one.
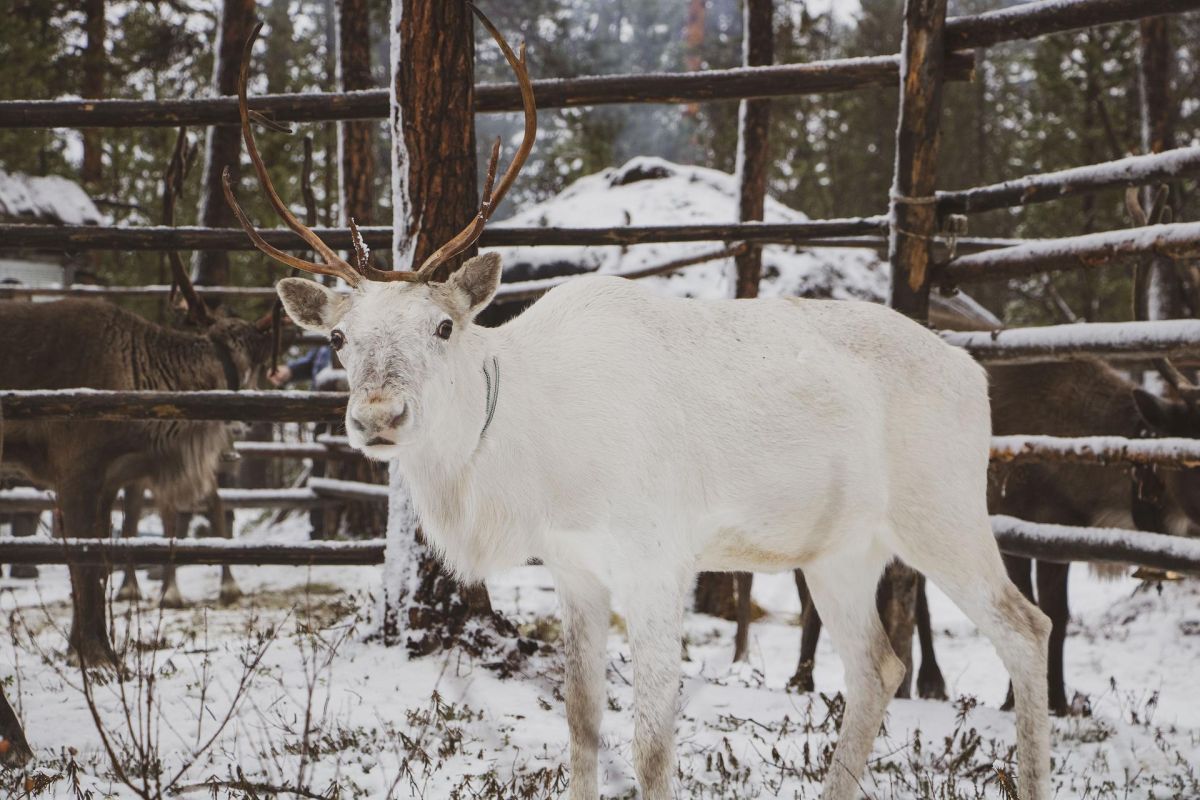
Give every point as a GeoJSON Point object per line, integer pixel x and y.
{"type": "Point", "coordinates": [222, 574]}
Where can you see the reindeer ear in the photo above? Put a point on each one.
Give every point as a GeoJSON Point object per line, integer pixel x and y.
{"type": "Point", "coordinates": [478, 280]}
{"type": "Point", "coordinates": [311, 305]}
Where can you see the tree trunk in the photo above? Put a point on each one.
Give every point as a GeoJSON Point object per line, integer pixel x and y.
{"type": "Point", "coordinates": [715, 592]}
{"type": "Point", "coordinates": [434, 196]}
{"type": "Point", "coordinates": [224, 143]}
{"type": "Point", "coordinates": [1164, 290]}
{"type": "Point", "coordinates": [910, 240]}
{"type": "Point", "coordinates": [355, 154]}
{"type": "Point", "coordinates": [95, 65]}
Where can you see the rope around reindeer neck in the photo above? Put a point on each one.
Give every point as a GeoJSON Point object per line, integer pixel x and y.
{"type": "Point", "coordinates": [493, 393]}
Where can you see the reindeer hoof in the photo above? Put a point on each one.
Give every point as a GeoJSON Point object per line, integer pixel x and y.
{"type": "Point", "coordinates": [802, 681]}
{"type": "Point", "coordinates": [230, 594]}
{"type": "Point", "coordinates": [171, 598]}
{"type": "Point", "coordinates": [931, 687]}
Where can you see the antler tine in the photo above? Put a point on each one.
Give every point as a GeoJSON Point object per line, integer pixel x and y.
{"type": "Point", "coordinates": [1179, 383]}
{"type": "Point", "coordinates": [470, 234]}
{"type": "Point", "coordinates": [334, 264]}
{"type": "Point", "coordinates": [172, 189]}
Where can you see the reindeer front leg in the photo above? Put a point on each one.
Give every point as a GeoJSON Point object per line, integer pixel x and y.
{"type": "Point", "coordinates": [586, 608]}
{"type": "Point", "coordinates": [654, 620]}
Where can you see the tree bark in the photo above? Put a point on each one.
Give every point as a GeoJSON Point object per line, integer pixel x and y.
{"type": "Point", "coordinates": [224, 144]}
{"type": "Point", "coordinates": [356, 156]}
{"type": "Point", "coordinates": [433, 196]}
{"type": "Point", "coordinates": [1164, 288]}
{"type": "Point", "coordinates": [433, 128]}
{"type": "Point", "coordinates": [910, 241]}
{"type": "Point", "coordinates": [95, 67]}
{"type": "Point", "coordinates": [715, 592]}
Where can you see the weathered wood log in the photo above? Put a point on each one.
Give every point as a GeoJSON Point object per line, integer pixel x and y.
{"type": "Point", "coordinates": [207, 550]}
{"type": "Point", "coordinates": [22, 500]}
{"type": "Point", "coordinates": [314, 450]}
{"type": "Point", "coordinates": [61, 238]}
{"type": "Point", "coordinates": [1178, 240]}
{"type": "Point", "coordinates": [1099, 450]}
{"type": "Point", "coordinates": [1117, 341]}
{"type": "Point", "coordinates": [95, 404]}
{"type": "Point", "coordinates": [8, 292]}
{"type": "Point", "coordinates": [349, 490]}
{"type": "Point", "coordinates": [1132, 171]}
{"type": "Point", "coordinates": [913, 209]}
{"type": "Point", "coordinates": [1031, 20]}
{"type": "Point", "coordinates": [753, 148]}
{"type": "Point", "coordinates": [1064, 543]}
{"type": "Point", "coordinates": [818, 77]}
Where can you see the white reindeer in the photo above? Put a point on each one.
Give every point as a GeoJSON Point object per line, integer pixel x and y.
{"type": "Point", "coordinates": [629, 440]}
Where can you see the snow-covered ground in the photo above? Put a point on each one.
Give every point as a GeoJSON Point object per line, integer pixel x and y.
{"type": "Point", "coordinates": [446, 726]}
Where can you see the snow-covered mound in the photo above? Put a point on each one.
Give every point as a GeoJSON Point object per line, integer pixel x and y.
{"type": "Point", "coordinates": [54, 199]}
{"type": "Point", "coordinates": [654, 191]}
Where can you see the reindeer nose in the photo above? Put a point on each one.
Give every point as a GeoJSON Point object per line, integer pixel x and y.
{"type": "Point", "coordinates": [377, 420]}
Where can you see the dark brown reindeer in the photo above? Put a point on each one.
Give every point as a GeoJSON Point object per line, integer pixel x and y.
{"type": "Point", "coordinates": [1080, 398]}
{"type": "Point", "coordinates": [76, 343]}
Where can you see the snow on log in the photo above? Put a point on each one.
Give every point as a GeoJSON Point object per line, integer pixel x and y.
{"type": "Point", "coordinates": [1102, 450]}
{"type": "Point", "coordinates": [206, 550]}
{"type": "Point", "coordinates": [1129, 341]}
{"type": "Point", "coordinates": [817, 77]}
{"type": "Point", "coordinates": [1132, 171]}
{"type": "Point", "coordinates": [24, 499]}
{"type": "Point", "coordinates": [315, 450]}
{"type": "Point", "coordinates": [98, 404]}
{"type": "Point", "coordinates": [151, 237]}
{"type": "Point", "coordinates": [1105, 545]}
{"type": "Point", "coordinates": [1179, 240]}
{"type": "Point", "coordinates": [1030, 20]}
{"type": "Point", "coordinates": [348, 490]}
{"type": "Point", "coordinates": [9, 291]}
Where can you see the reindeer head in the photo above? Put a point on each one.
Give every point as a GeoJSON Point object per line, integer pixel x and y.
{"type": "Point", "coordinates": [404, 339]}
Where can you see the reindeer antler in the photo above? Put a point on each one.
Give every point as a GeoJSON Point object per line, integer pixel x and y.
{"type": "Point", "coordinates": [177, 170]}
{"type": "Point", "coordinates": [335, 265]}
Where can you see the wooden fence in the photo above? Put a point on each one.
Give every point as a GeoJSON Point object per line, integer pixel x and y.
{"type": "Point", "coordinates": [920, 254]}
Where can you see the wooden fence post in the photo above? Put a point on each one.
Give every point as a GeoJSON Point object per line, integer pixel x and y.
{"type": "Point", "coordinates": [914, 223]}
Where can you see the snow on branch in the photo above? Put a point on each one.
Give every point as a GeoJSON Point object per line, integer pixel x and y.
{"type": "Point", "coordinates": [1116, 340]}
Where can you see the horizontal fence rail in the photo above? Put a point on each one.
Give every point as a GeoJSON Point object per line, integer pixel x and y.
{"type": "Point", "coordinates": [104, 405]}
{"type": "Point", "coordinates": [26, 500]}
{"type": "Point", "coordinates": [1131, 171]}
{"type": "Point", "coordinates": [817, 77]}
{"type": "Point", "coordinates": [207, 550]}
{"type": "Point", "coordinates": [1103, 545]}
{"type": "Point", "coordinates": [1014, 536]}
{"type": "Point", "coordinates": [1117, 341]}
{"type": "Point", "coordinates": [1025, 21]}
{"type": "Point", "coordinates": [318, 450]}
{"type": "Point", "coordinates": [1177, 240]}
{"type": "Point", "coordinates": [1097, 450]}
{"type": "Point", "coordinates": [1031, 20]}
{"type": "Point", "coordinates": [150, 238]}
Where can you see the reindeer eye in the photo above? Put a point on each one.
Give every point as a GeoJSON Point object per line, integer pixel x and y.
{"type": "Point", "coordinates": [444, 329]}
{"type": "Point", "coordinates": [337, 339]}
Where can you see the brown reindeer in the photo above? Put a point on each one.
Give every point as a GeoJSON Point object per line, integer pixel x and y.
{"type": "Point", "coordinates": [76, 343]}
{"type": "Point", "coordinates": [1081, 398]}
